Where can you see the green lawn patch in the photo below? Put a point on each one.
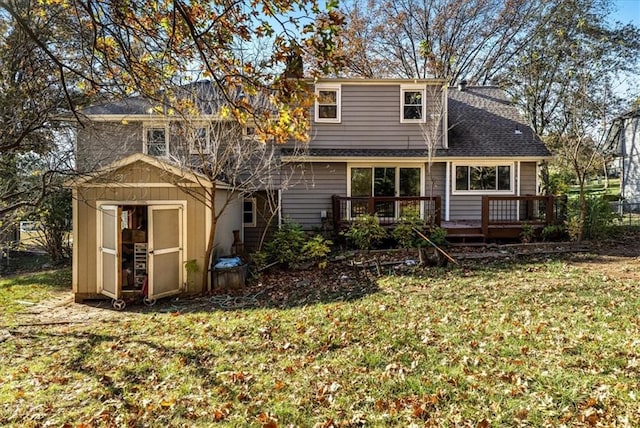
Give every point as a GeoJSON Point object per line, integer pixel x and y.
{"type": "Point", "coordinates": [18, 291]}
{"type": "Point", "coordinates": [544, 342]}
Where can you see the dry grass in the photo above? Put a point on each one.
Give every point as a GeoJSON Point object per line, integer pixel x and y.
{"type": "Point", "coordinates": [533, 342]}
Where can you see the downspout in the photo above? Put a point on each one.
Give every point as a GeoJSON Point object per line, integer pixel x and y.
{"type": "Point", "coordinates": [447, 189]}
{"type": "Point", "coordinates": [518, 166]}
{"type": "Point", "coordinates": [279, 208]}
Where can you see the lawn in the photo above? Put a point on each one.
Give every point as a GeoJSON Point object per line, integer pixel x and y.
{"type": "Point", "coordinates": [537, 341]}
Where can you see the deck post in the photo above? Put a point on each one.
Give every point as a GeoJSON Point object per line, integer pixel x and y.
{"type": "Point", "coordinates": [485, 216]}
{"type": "Point", "coordinates": [437, 202]}
{"type": "Point", "coordinates": [549, 211]}
{"type": "Point", "coordinates": [337, 212]}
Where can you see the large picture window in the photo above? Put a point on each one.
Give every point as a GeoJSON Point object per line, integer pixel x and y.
{"type": "Point", "coordinates": [383, 182]}
{"type": "Point", "coordinates": [483, 178]}
{"type": "Point", "coordinates": [327, 105]}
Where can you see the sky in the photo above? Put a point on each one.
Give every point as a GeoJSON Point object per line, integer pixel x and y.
{"type": "Point", "coordinates": [628, 11]}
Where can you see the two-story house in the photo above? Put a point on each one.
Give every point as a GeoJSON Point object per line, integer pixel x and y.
{"type": "Point", "coordinates": [385, 146]}
{"type": "Point", "coordinates": [462, 157]}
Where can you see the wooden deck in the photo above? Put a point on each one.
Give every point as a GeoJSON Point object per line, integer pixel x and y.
{"type": "Point", "coordinates": [502, 217]}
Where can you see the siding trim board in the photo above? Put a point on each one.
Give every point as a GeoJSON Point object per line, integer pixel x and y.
{"type": "Point", "coordinates": [421, 158]}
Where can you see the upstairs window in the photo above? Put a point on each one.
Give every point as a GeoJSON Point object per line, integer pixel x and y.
{"type": "Point", "coordinates": [199, 141]}
{"type": "Point", "coordinates": [249, 212]}
{"type": "Point", "coordinates": [328, 103]}
{"type": "Point", "coordinates": [156, 141]}
{"type": "Point", "coordinates": [493, 178]}
{"type": "Point", "coordinates": [412, 106]}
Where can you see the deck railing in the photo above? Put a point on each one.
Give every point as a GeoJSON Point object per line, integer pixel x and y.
{"type": "Point", "coordinates": [498, 211]}
{"type": "Point", "coordinates": [387, 208]}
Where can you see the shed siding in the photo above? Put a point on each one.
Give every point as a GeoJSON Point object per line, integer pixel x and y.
{"type": "Point", "coordinates": [310, 190]}
{"type": "Point", "coordinates": [87, 232]}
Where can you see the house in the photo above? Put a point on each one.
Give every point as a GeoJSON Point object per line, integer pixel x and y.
{"type": "Point", "coordinates": [462, 157]}
{"type": "Point", "coordinates": [623, 142]}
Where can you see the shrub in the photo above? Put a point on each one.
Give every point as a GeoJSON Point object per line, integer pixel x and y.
{"type": "Point", "coordinates": [527, 234]}
{"type": "Point", "coordinates": [285, 245]}
{"type": "Point", "coordinates": [404, 234]}
{"type": "Point", "coordinates": [365, 232]}
{"type": "Point", "coordinates": [291, 246]}
{"type": "Point", "coordinates": [316, 249]}
{"type": "Point", "coordinates": [438, 235]}
{"type": "Point", "coordinates": [554, 232]}
{"type": "Point", "coordinates": [598, 219]}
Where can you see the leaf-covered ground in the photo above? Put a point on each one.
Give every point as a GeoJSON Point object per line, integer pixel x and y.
{"type": "Point", "coordinates": [524, 340]}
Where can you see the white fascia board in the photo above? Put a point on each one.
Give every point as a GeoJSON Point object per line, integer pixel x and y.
{"type": "Point", "coordinates": [362, 81]}
{"type": "Point", "coordinates": [379, 159]}
{"type": "Point", "coordinates": [150, 117]}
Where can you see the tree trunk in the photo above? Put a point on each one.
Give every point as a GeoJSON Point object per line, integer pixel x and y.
{"type": "Point", "coordinates": [210, 242]}
{"type": "Point", "coordinates": [583, 209]}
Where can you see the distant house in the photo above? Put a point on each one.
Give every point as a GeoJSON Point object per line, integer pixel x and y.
{"type": "Point", "coordinates": [462, 157]}
{"type": "Point", "coordinates": [623, 142]}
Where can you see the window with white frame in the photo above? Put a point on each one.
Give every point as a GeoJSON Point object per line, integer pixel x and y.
{"type": "Point", "coordinates": [249, 212]}
{"type": "Point", "coordinates": [156, 140]}
{"type": "Point", "coordinates": [412, 103]}
{"type": "Point", "coordinates": [249, 132]}
{"type": "Point", "coordinates": [483, 178]}
{"type": "Point", "coordinates": [384, 182]}
{"type": "Point", "coordinates": [199, 141]}
{"type": "Point", "coordinates": [327, 106]}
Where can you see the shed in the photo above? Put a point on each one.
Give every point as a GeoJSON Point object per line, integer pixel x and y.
{"type": "Point", "coordinates": [137, 222]}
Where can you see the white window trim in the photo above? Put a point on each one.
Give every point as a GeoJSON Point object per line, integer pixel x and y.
{"type": "Point", "coordinates": [246, 135]}
{"type": "Point", "coordinates": [329, 87]}
{"type": "Point", "coordinates": [413, 88]}
{"type": "Point", "coordinates": [372, 165]}
{"type": "Point", "coordinates": [207, 150]}
{"type": "Point", "coordinates": [253, 212]}
{"type": "Point", "coordinates": [152, 125]}
{"type": "Point", "coordinates": [512, 171]}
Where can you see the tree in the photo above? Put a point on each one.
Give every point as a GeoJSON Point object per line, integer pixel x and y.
{"type": "Point", "coordinates": [447, 39]}
{"type": "Point", "coordinates": [29, 101]}
{"type": "Point", "coordinates": [150, 48]}
{"type": "Point", "coordinates": [566, 79]}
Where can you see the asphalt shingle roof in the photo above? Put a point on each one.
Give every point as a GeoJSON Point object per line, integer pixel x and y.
{"type": "Point", "coordinates": [205, 94]}
{"type": "Point", "coordinates": [483, 123]}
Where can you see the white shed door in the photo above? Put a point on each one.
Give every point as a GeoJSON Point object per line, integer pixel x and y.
{"type": "Point", "coordinates": [165, 250]}
{"type": "Point", "coordinates": [108, 251]}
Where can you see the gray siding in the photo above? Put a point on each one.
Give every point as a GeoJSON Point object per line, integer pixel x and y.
{"type": "Point", "coordinates": [435, 182]}
{"type": "Point", "coordinates": [100, 143]}
{"type": "Point", "coordinates": [371, 120]}
{"type": "Point", "coordinates": [528, 175]}
{"type": "Point", "coordinates": [310, 190]}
